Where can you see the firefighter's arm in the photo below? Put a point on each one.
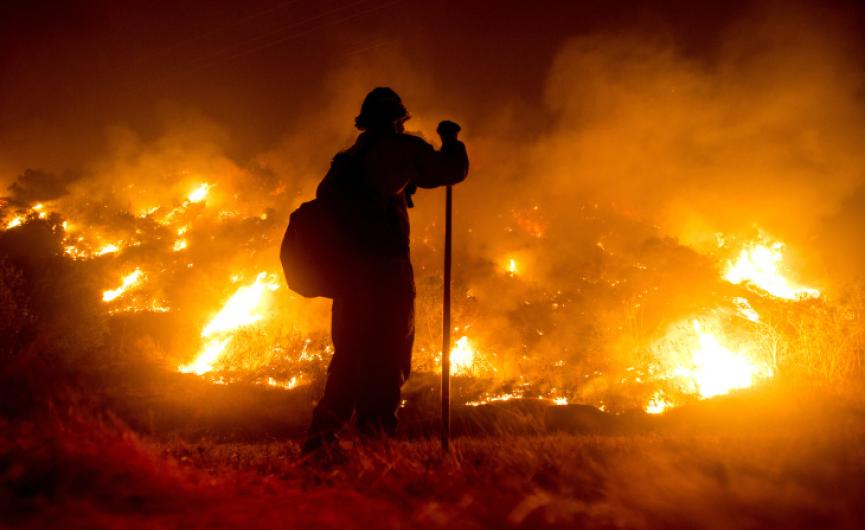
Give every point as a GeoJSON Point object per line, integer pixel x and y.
{"type": "Point", "coordinates": [448, 165]}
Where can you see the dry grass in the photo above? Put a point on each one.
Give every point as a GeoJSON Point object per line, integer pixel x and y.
{"type": "Point", "coordinates": [794, 474]}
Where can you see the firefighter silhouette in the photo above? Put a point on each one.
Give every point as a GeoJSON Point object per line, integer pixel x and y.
{"type": "Point", "coordinates": [373, 310]}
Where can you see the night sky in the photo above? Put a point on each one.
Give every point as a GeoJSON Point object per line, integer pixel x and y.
{"type": "Point", "coordinates": [71, 69]}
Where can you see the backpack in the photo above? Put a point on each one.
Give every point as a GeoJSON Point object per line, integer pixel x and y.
{"type": "Point", "coordinates": [310, 250]}
{"type": "Point", "coordinates": [314, 249]}
{"type": "Point", "coordinates": [347, 223]}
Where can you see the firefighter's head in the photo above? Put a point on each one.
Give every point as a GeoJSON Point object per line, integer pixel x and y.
{"type": "Point", "coordinates": [382, 109]}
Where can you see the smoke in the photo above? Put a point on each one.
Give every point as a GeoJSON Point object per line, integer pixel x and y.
{"type": "Point", "coordinates": [34, 185]}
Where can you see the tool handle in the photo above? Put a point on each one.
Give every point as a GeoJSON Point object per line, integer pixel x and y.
{"type": "Point", "coordinates": [446, 324]}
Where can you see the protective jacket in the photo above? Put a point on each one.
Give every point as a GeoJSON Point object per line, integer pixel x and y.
{"type": "Point", "coordinates": [373, 314]}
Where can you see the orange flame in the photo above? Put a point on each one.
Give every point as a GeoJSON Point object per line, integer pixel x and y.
{"type": "Point", "coordinates": [244, 308]}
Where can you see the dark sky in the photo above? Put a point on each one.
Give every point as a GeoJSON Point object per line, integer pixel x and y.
{"type": "Point", "coordinates": [70, 68]}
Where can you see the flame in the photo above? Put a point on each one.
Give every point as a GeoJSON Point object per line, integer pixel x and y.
{"type": "Point", "coordinates": [512, 267]}
{"type": "Point", "coordinates": [743, 307]}
{"type": "Point", "coordinates": [110, 248]}
{"type": "Point", "coordinates": [154, 306]}
{"type": "Point", "coordinates": [199, 193]}
{"type": "Point", "coordinates": [462, 356]}
{"type": "Point", "coordinates": [758, 266]}
{"type": "Point", "coordinates": [658, 403]}
{"type": "Point", "coordinates": [128, 281]}
{"type": "Point", "coordinates": [244, 308]}
{"type": "Point", "coordinates": [708, 367]}
{"type": "Point", "coordinates": [490, 399]}
{"type": "Point", "coordinates": [18, 220]}
{"type": "Point", "coordinates": [208, 356]}
{"type": "Point", "coordinates": [717, 370]}
{"type": "Point", "coordinates": [291, 383]}
{"type": "Point", "coordinates": [180, 244]}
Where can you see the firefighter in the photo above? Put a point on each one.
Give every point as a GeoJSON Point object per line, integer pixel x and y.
{"type": "Point", "coordinates": [373, 309]}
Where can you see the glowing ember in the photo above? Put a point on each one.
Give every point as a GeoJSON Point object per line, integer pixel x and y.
{"type": "Point", "coordinates": [15, 221]}
{"type": "Point", "coordinates": [462, 356]}
{"type": "Point", "coordinates": [758, 265]}
{"type": "Point", "coordinates": [199, 194]}
{"type": "Point", "coordinates": [128, 281]}
{"type": "Point", "coordinates": [490, 399]}
{"type": "Point", "coordinates": [180, 244]}
{"type": "Point", "coordinates": [245, 307]}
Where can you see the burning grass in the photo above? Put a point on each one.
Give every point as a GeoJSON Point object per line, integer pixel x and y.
{"type": "Point", "coordinates": [622, 336]}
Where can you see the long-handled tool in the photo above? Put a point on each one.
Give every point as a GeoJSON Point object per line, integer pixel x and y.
{"type": "Point", "coordinates": [446, 325]}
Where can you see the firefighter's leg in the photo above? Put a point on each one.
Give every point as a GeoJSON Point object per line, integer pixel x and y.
{"type": "Point", "coordinates": [336, 406]}
{"type": "Point", "coordinates": [389, 359]}
{"type": "Point", "coordinates": [378, 401]}
{"type": "Point", "coordinates": [332, 411]}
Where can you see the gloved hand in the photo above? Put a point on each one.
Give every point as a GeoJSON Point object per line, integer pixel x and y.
{"type": "Point", "coordinates": [448, 131]}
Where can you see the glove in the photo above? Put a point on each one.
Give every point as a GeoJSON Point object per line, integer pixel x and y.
{"type": "Point", "coordinates": [448, 131]}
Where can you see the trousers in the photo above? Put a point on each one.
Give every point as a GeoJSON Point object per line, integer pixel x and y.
{"type": "Point", "coordinates": [373, 334]}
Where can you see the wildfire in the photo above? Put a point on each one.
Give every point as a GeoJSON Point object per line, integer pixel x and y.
{"type": "Point", "coordinates": [758, 265]}
{"type": "Point", "coordinates": [289, 384]}
{"type": "Point", "coordinates": [704, 361]}
{"type": "Point", "coordinates": [15, 221]}
{"type": "Point", "coordinates": [130, 280]}
{"type": "Point", "coordinates": [702, 356]}
{"type": "Point", "coordinates": [244, 308]}
{"type": "Point", "coordinates": [717, 370]}
{"type": "Point", "coordinates": [491, 399]}
{"type": "Point", "coordinates": [743, 306]}
{"type": "Point", "coordinates": [658, 403]}
{"type": "Point", "coordinates": [462, 356]}
{"type": "Point", "coordinates": [110, 248]}
{"type": "Point", "coordinates": [512, 267]}
{"type": "Point", "coordinates": [199, 193]}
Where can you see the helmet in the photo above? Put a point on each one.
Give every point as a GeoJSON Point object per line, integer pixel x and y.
{"type": "Point", "coordinates": [381, 108]}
